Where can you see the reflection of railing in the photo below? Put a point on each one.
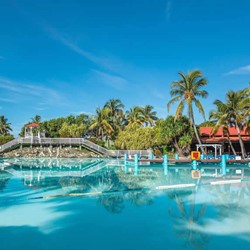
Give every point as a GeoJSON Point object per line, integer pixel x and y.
{"type": "Point", "coordinates": [72, 171]}
{"type": "Point", "coordinates": [94, 169]}
{"type": "Point", "coordinates": [72, 141]}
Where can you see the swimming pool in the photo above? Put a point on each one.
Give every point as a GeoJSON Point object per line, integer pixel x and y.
{"type": "Point", "coordinates": [96, 204]}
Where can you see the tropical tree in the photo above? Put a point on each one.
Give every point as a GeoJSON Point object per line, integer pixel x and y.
{"type": "Point", "coordinates": [116, 107]}
{"type": "Point", "coordinates": [36, 119]}
{"type": "Point", "coordinates": [219, 119]}
{"type": "Point", "coordinates": [134, 116]}
{"type": "Point", "coordinates": [4, 125]}
{"type": "Point", "coordinates": [72, 130]}
{"type": "Point", "coordinates": [70, 119]}
{"type": "Point", "coordinates": [186, 91]}
{"type": "Point", "coordinates": [5, 138]}
{"type": "Point", "coordinates": [135, 137]}
{"type": "Point", "coordinates": [116, 115]}
{"type": "Point", "coordinates": [82, 119]}
{"type": "Point", "coordinates": [178, 133]}
{"type": "Point", "coordinates": [149, 115]}
{"type": "Point", "coordinates": [237, 109]}
{"type": "Point", "coordinates": [102, 124]}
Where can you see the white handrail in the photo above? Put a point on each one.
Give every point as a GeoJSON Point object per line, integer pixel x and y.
{"type": "Point", "coordinates": [72, 141]}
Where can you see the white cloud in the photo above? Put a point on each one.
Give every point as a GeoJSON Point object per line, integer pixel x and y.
{"type": "Point", "coordinates": [245, 70]}
{"type": "Point", "coordinates": [158, 94]}
{"type": "Point", "coordinates": [24, 91]}
{"type": "Point", "coordinates": [40, 108]}
{"type": "Point", "coordinates": [7, 100]}
{"type": "Point", "coordinates": [111, 80]}
{"type": "Point", "coordinates": [82, 112]}
{"type": "Point", "coordinates": [105, 62]}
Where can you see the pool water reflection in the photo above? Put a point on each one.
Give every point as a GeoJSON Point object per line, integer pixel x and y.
{"type": "Point", "coordinates": [112, 209]}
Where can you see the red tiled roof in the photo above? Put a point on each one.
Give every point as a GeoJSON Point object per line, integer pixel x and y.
{"type": "Point", "coordinates": [207, 132]}
{"type": "Point", "coordinates": [32, 125]}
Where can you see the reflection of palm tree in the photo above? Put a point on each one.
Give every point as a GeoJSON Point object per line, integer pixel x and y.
{"type": "Point", "coordinates": [4, 180]}
{"type": "Point", "coordinates": [186, 220]}
{"type": "Point", "coordinates": [113, 203]}
{"type": "Point", "coordinates": [229, 200]}
{"type": "Point", "coordinates": [140, 198]}
{"type": "Point", "coordinates": [72, 183]}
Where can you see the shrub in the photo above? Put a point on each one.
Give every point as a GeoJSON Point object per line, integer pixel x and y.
{"type": "Point", "coordinates": [5, 138]}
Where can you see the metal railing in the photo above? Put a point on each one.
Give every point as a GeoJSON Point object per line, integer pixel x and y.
{"type": "Point", "coordinates": [8, 145]}
{"type": "Point", "coordinates": [72, 141]}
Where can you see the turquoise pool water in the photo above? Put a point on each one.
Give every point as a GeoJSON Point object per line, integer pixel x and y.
{"type": "Point", "coordinates": [98, 204]}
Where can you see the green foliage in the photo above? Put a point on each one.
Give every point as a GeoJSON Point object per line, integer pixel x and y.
{"type": "Point", "coordinates": [98, 141]}
{"type": "Point", "coordinates": [234, 112]}
{"type": "Point", "coordinates": [136, 137]}
{"type": "Point", "coordinates": [207, 124]}
{"type": "Point", "coordinates": [177, 133]}
{"type": "Point", "coordinates": [149, 115]}
{"type": "Point", "coordinates": [187, 91]}
{"type": "Point", "coordinates": [53, 127]}
{"type": "Point", "coordinates": [36, 119]}
{"type": "Point", "coordinates": [72, 130]}
{"type": "Point", "coordinates": [102, 123]}
{"type": "Point", "coordinates": [4, 126]}
{"type": "Point", "coordinates": [5, 138]}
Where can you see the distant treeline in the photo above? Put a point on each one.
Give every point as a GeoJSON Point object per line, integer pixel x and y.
{"type": "Point", "coordinates": [140, 128]}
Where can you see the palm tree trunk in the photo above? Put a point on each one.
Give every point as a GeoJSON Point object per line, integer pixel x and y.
{"type": "Point", "coordinates": [243, 151]}
{"type": "Point", "coordinates": [196, 133]}
{"type": "Point", "coordinates": [230, 143]}
{"type": "Point", "coordinates": [179, 151]}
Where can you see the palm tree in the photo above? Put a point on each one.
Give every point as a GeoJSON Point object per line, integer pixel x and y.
{"type": "Point", "coordinates": [149, 115]}
{"type": "Point", "coordinates": [219, 117]}
{"type": "Point", "coordinates": [134, 116]}
{"type": "Point", "coordinates": [116, 107]}
{"type": "Point", "coordinates": [4, 125]}
{"type": "Point", "coordinates": [187, 90]}
{"type": "Point", "coordinates": [36, 119]}
{"type": "Point", "coordinates": [116, 114]}
{"type": "Point", "coordinates": [101, 122]}
{"type": "Point", "coordinates": [237, 109]}
{"type": "Point", "coordinates": [247, 111]}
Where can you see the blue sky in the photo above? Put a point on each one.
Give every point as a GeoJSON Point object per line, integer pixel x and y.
{"type": "Point", "coordinates": [66, 57]}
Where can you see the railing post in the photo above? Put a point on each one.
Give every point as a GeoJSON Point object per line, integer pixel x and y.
{"type": "Point", "coordinates": [136, 164]}
{"type": "Point", "coordinates": [165, 165]}
{"type": "Point", "coordinates": [194, 164]}
{"type": "Point", "coordinates": [224, 164]}
{"type": "Point", "coordinates": [125, 163]}
{"type": "Point", "coordinates": [151, 156]}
